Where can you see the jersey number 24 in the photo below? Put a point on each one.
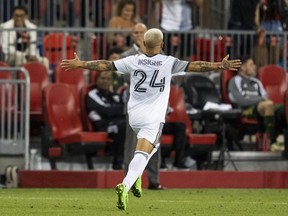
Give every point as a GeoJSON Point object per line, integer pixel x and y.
{"type": "Point", "coordinates": [153, 84]}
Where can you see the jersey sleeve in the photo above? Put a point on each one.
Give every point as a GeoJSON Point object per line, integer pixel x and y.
{"type": "Point", "coordinates": [179, 66]}
{"type": "Point", "coordinates": [122, 65]}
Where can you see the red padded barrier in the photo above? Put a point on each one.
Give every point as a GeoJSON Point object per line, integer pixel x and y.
{"type": "Point", "coordinates": [170, 179]}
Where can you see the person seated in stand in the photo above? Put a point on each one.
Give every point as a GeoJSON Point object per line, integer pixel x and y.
{"type": "Point", "coordinates": [105, 109]}
{"type": "Point", "coordinates": [20, 46]}
{"type": "Point", "coordinates": [248, 93]}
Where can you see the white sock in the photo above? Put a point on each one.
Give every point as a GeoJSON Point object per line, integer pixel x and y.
{"type": "Point", "coordinates": [150, 155]}
{"type": "Point", "coordinates": [153, 152]}
{"type": "Point", "coordinates": [136, 167]}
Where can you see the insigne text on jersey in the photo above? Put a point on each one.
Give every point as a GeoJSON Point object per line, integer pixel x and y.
{"type": "Point", "coordinates": [149, 62]}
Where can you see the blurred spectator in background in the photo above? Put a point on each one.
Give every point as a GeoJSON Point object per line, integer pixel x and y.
{"type": "Point", "coordinates": [137, 37]}
{"type": "Point", "coordinates": [20, 46]}
{"type": "Point", "coordinates": [268, 15]}
{"type": "Point", "coordinates": [105, 109]}
{"type": "Point", "coordinates": [248, 93]}
{"type": "Point", "coordinates": [283, 12]}
{"type": "Point", "coordinates": [260, 52]}
{"type": "Point", "coordinates": [125, 19]}
{"type": "Point", "coordinates": [117, 78]}
{"type": "Point", "coordinates": [242, 17]}
{"type": "Point", "coordinates": [264, 53]}
{"type": "Point", "coordinates": [177, 16]}
{"type": "Point", "coordinates": [268, 18]}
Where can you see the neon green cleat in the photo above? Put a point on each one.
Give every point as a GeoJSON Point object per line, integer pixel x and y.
{"type": "Point", "coordinates": [122, 196]}
{"type": "Point", "coordinates": [137, 187]}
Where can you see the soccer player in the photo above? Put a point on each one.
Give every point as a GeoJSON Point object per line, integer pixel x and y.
{"type": "Point", "coordinates": [150, 76]}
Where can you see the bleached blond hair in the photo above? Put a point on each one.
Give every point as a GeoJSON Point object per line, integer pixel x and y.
{"type": "Point", "coordinates": [153, 38]}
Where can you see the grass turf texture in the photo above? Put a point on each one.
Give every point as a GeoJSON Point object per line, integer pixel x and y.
{"type": "Point", "coordinates": [210, 202]}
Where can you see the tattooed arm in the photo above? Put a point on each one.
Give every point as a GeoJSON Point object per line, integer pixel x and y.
{"type": "Point", "coordinates": [98, 65]}
{"type": "Point", "coordinates": [203, 66]}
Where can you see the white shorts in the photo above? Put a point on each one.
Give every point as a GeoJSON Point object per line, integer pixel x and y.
{"type": "Point", "coordinates": [152, 133]}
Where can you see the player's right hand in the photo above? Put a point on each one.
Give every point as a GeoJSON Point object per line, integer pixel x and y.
{"type": "Point", "coordinates": [71, 64]}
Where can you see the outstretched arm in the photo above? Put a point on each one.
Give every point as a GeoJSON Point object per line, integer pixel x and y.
{"type": "Point", "coordinates": [98, 65]}
{"type": "Point", "coordinates": [203, 66]}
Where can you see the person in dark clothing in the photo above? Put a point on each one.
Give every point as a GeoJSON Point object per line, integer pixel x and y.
{"type": "Point", "coordinates": [178, 130]}
{"type": "Point", "coordinates": [268, 15]}
{"type": "Point", "coordinates": [242, 17]}
{"type": "Point", "coordinates": [105, 109]}
{"type": "Point", "coordinates": [283, 13]}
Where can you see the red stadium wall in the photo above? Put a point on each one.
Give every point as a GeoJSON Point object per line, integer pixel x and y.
{"type": "Point", "coordinates": [170, 179]}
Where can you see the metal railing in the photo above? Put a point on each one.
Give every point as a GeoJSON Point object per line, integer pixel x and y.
{"type": "Point", "coordinates": [208, 45]}
{"type": "Point", "coordinates": [14, 112]}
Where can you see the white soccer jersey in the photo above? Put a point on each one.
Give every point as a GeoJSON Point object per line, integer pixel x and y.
{"type": "Point", "coordinates": [150, 79]}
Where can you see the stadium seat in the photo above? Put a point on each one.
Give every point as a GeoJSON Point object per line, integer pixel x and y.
{"type": "Point", "coordinates": [54, 48]}
{"type": "Point", "coordinates": [226, 76]}
{"type": "Point", "coordinates": [200, 89]}
{"type": "Point", "coordinates": [75, 78]}
{"type": "Point", "coordinates": [247, 126]}
{"type": "Point", "coordinates": [64, 134]}
{"type": "Point", "coordinates": [39, 79]}
{"type": "Point", "coordinates": [201, 144]}
{"type": "Point", "coordinates": [87, 123]}
{"type": "Point", "coordinates": [274, 81]}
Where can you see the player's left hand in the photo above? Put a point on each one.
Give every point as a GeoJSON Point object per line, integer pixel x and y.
{"type": "Point", "coordinates": [230, 64]}
{"type": "Point", "coordinates": [71, 64]}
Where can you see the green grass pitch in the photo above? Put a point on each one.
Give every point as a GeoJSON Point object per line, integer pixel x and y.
{"type": "Point", "coordinates": [102, 202]}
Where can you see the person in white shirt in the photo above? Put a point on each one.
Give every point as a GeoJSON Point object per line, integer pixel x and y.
{"type": "Point", "coordinates": [20, 46]}
{"type": "Point", "coordinates": [177, 16]}
{"type": "Point", "coordinates": [150, 76]}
